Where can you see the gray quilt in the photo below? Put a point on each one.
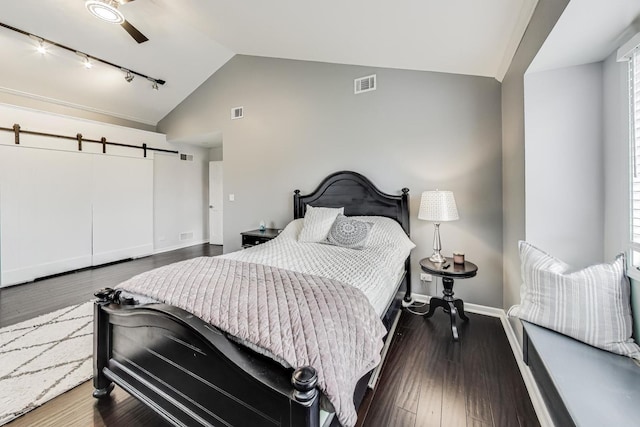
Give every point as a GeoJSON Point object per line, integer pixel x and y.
{"type": "Point", "coordinates": [300, 318]}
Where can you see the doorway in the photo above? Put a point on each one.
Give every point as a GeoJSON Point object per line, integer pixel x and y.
{"type": "Point", "coordinates": [215, 202]}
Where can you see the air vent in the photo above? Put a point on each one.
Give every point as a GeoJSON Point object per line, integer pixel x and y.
{"type": "Point", "coordinates": [186, 157]}
{"type": "Point", "coordinates": [237, 113]}
{"type": "Point", "coordinates": [364, 84]}
{"type": "Point", "coordinates": [186, 236]}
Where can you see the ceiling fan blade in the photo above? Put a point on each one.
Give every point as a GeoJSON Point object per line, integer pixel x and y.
{"type": "Point", "coordinates": [133, 32]}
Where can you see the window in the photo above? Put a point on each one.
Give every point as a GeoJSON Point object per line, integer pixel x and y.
{"type": "Point", "coordinates": [634, 137]}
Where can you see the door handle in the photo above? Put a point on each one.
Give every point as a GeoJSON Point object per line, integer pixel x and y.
{"type": "Point", "coordinates": [210, 206]}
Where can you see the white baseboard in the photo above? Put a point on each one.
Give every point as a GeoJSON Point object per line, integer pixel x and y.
{"type": "Point", "coordinates": [180, 246]}
{"type": "Point", "coordinates": [120, 254]}
{"type": "Point", "coordinates": [32, 272]}
{"type": "Point", "coordinates": [532, 387]}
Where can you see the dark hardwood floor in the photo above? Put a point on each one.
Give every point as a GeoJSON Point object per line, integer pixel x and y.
{"type": "Point", "coordinates": [430, 380]}
{"type": "Point", "coordinates": [427, 379]}
{"type": "Point", "coordinates": [22, 302]}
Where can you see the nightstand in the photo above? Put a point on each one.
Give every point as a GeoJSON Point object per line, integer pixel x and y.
{"type": "Point", "coordinates": [256, 237]}
{"type": "Point", "coordinates": [448, 270]}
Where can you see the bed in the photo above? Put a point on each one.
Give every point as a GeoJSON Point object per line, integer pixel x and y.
{"type": "Point", "coordinates": [192, 373]}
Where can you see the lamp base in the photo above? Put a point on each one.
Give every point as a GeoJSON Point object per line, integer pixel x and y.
{"type": "Point", "coordinates": [437, 257]}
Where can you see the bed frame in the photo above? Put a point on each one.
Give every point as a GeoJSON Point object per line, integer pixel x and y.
{"type": "Point", "coordinates": [190, 373]}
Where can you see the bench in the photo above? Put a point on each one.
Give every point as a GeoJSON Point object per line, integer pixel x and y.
{"type": "Point", "coordinates": [582, 385]}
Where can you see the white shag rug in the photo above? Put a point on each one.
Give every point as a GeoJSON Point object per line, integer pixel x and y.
{"type": "Point", "coordinates": [43, 357]}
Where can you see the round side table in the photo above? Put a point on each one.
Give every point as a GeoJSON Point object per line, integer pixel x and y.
{"type": "Point", "coordinates": [449, 271]}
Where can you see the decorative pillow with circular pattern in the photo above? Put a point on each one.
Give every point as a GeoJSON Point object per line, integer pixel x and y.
{"type": "Point", "coordinates": [349, 233]}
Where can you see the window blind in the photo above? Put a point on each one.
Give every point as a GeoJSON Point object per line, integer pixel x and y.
{"type": "Point", "coordinates": [634, 133]}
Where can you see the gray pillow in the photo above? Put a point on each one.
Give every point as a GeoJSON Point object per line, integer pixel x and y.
{"type": "Point", "coordinates": [591, 305]}
{"type": "Point", "coordinates": [349, 233]}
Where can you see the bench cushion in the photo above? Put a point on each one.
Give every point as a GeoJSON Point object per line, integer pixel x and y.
{"type": "Point", "coordinates": [582, 385]}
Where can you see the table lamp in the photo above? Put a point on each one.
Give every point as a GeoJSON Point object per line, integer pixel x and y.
{"type": "Point", "coordinates": [437, 206]}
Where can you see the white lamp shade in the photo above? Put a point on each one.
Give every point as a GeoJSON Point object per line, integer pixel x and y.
{"type": "Point", "coordinates": [438, 206]}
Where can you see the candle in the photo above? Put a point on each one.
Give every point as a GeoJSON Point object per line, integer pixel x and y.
{"type": "Point", "coordinates": [458, 257]}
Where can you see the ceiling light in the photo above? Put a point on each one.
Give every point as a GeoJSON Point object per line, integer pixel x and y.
{"type": "Point", "coordinates": [128, 76]}
{"type": "Point", "coordinates": [107, 10]}
{"type": "Point", "coordinates": [41, 48]}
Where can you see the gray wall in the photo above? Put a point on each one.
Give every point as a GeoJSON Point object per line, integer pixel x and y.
{"type": "Point", "coordinates": [302, 122]}
{"type": "Point", "coordinates": [513, 154]}
{"type": "Point", "coordinates": [564, 177]}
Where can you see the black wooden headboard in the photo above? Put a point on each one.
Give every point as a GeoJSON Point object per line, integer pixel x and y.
{"type": "Point", "coordinates": [357, 195]}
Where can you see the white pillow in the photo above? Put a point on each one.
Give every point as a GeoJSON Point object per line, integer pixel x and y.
{"type": "Point", "coordinates": [591, 305]}
{"type": "Point", "coordinates": [317, 223]}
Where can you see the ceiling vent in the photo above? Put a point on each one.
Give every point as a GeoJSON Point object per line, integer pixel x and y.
{"type": "Point", "coordinates": [186, 157]}
{"type": "Point", "coordinates": [364, 84]}
{"type": "Point", "coordinates": [237, 113]}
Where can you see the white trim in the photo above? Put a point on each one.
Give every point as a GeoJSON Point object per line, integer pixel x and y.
{"type": "Point", "coordinates": [76, 106]}
{"type": "Point", "coordinates": [633, 273]}
{"type": "Point", "coordinates": [181, 246]}
{"type": "Point", "coordinates": [626, 50]}
{"type": "Point", "coordinates": [30, 273]}
{"type": "Point", "coordinates": [532, 387]}
{"type": "Point", "coordinates": [107, 257]}
{"type": "Point", "coordinates": [471, 308]}
{"type": "Point", "coordinates": [526, 12]}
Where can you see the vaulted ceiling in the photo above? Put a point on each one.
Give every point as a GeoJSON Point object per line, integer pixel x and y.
{"type": "Point", "coordinates": [190, 39]}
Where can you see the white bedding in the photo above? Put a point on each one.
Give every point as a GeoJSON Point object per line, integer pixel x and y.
{"type": "Point", "coordinates": [374, 270]}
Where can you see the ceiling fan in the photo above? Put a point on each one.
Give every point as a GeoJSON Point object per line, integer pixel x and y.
{"type": "Point", "coordinates": [107, 10]}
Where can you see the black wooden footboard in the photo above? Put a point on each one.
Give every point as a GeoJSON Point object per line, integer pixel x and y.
{"type": "Point", "coordinates": [191, 374]}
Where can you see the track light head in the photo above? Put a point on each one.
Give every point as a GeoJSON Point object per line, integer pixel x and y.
{"type": "Point", "coordinates": [41, 48]}
{"type": "Point", "coordinates": [154, 84]}
{"type": "Point", "coordinates": [86, 61]}
{"type": "Point", "coordinates": [128, 75]}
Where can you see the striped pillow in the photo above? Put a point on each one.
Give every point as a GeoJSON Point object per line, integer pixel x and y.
{"type": "Point", "coordinates": [591, 305]}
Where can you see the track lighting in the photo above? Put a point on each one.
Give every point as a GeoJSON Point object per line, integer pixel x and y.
{"type": "Point", "coordinates": [128, 75]}
{"type": "Point", "coordinates": [88, 60]}
{"type": "Point", "coordinates": [85, 59]}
